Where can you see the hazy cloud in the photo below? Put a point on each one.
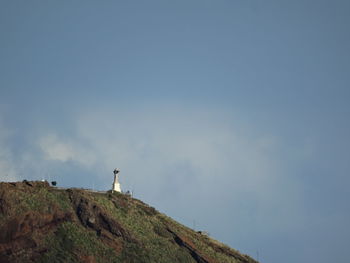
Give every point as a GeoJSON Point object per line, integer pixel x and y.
{"type": "Point", "coordinates": [182, 161]}
{"type": "Point", "coordinates": [176, 157]}
{"type": "Point", "coordinates": [8, 170]}
{"type": "Point", "coordinates": [55, 150]}
{"type": "Point", "coordinates": [64, 150]}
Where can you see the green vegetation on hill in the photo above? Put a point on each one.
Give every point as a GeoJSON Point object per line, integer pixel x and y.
{"type": "Point", "coordinates": [39, 223]}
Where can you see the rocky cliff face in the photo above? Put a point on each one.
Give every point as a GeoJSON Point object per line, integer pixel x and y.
{"type": "Point", "coordinates": [39, 223]}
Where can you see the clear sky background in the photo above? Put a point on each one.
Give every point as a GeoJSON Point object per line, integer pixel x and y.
{"type": "Point", "coordinates": [232, 117]}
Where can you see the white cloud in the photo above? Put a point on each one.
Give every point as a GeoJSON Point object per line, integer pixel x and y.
{"type": "Point", "coordinates": [58, 149]}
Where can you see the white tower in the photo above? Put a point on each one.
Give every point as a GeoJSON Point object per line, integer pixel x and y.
{"type": "Point", "coordinates": [116, 184]}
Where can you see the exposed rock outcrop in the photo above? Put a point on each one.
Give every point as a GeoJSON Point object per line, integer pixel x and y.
{"type": "Point", "coordinates": [94, 217]}
{"type": "Point", "coordinates": [187, 244]}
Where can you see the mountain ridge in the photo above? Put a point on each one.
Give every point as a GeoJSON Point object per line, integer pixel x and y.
{"type": "Point", "coordinates": [41, 223]}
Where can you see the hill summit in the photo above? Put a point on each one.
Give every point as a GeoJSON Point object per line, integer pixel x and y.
{"type": "Point", "coordinates": [40, 223]}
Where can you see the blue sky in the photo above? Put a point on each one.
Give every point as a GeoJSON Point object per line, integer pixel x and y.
{"type": "Point", "coordinates": [230, 114]}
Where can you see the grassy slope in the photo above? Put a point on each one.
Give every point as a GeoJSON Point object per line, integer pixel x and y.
{"type": "Point", "coordinates": [151, 226]}
{"type": "Point", "coordinates": [72, 242]}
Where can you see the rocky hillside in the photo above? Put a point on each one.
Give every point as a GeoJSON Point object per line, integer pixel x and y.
{"type": "Point", "coordinates": [40, 223]}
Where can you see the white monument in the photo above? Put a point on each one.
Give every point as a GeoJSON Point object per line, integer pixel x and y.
{"type": "Point", "coordinates": [116, 184]}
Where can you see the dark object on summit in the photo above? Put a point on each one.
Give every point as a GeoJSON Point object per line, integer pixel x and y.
{"type": "Point", "coordinates": [53, 183]}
